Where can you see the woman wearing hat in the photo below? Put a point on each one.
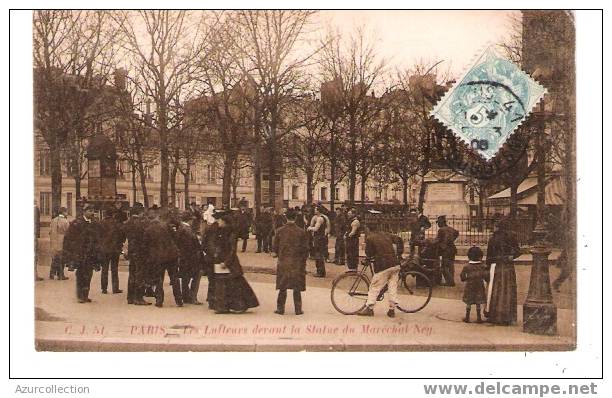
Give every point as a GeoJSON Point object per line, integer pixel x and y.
{"type": "Point", "coordinates": [503, 248]}
{"type": "Point", "coordinates": [231, 291]}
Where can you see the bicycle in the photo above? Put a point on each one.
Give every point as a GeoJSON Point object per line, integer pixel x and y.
{"type": "Point", "coordinates": [350, 290]}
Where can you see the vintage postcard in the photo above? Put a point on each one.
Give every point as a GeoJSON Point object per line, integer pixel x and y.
{"type": "Point", "coordinates": [290, 180]}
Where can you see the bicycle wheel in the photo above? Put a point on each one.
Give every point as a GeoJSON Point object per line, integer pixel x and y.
{"type": "Point", "coordinates": [349, 293]}
{"type": "Point", "coordinates": [413, 297]}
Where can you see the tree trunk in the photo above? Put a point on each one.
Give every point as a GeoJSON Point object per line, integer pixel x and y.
{"type": "Point", "coordinates": [235, 182]}
{"type": "Point", "coordinates": [513, 200]}
{"type": "Point", "coordinates": [228, 164]}
{"type": "Point", "coordinates": [405, 190]}
{"type": "Point", "coordinates": [481, 195]}
{"type": "Point", "coordinates": [364, 180]}
{"type": "Point", "coordinates": [272, 165]}
{"type": "Point", "coordinates": [257, 177]}
{"type": "Point", "coordinates": [56, 179]}
{"type": "Point", "coordinates": [173, 174]}
{"type": "Point", "coordinates": [143, 180]}
{"type": "Point", "coordinates": [133, 183]}
{"type": "Point", "coordinates": [186, 182]}
{"type": "Point", "coordinates": [163, 145]}
{"type": "Point", "coordinates": [422, 191]}
{"type": "Point", "coordinates": [352, 184]}
{"type": "Point", "coordinates": [309, 186]}
{"type": "Point", "coordinates": [332, 169]}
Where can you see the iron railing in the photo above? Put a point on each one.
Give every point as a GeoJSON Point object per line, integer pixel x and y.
{"type": "Point", "coordinates": [472, 230]}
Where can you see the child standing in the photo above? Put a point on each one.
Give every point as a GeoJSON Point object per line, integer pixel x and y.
{"type": "Point", "coordinates": [474, 274]}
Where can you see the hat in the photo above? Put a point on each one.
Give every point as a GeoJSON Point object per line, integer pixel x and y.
{"type": "Point", "coordinates": [441, 219]}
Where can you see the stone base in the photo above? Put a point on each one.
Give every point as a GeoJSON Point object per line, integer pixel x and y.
{"type": "Point", "coordinates": [540, 318]}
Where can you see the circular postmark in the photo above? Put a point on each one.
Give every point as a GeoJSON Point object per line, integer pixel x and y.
{"type": "Point", "coordinates": [510, 161]}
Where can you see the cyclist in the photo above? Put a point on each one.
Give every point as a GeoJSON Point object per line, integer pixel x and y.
{"type": "Point", "coordinates": [386, 260]}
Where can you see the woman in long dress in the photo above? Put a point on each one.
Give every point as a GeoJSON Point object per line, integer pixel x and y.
{"type": "Point", "coordinates": [503, 248]}
{"type": "Point", "coordinates": [230, 290]}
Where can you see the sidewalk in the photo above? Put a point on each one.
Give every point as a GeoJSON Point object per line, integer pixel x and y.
{"type": "Point", "coordinates": [109, 324]}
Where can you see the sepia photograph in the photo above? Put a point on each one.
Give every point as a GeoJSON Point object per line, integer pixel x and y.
{"type": "Point", "coordinates": [301, 180]}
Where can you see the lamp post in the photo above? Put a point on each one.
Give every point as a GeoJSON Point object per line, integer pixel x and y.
{"type": "Point", "coordinates": [539, 310]}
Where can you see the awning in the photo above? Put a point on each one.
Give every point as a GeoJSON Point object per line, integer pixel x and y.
{"type": "Point", "coordinates": [554, 194]}
{"type": "Point", "coordinates": [527, 183]}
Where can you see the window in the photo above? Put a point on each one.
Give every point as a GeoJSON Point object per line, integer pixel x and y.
{"type": "Point", "coordinates": [193, 175]}
{"type": "Point", "coordinates": [295, 192]}
{"type": "Point", "coordinates": [44, 163]}
{"type": "Point", "coordinates": [45, 203]}
{"type": "Point", "coordinates": [148, 173]}
{"type": "Point", "coordinates": [69, 202]}
{"type": "Point", "coordinates": [192, 199]}
{"type": "Point", "coordinates": [337, 196]}
{"type": "Point", "coordinates": [323, 193]}
{"type": "Point", "coordinates": [210, 174]}
{"type": "Point", "coordinates": [121, 169]}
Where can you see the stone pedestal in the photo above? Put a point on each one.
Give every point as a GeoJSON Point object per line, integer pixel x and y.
{"type": "Point", "coordinates": [445, 194]}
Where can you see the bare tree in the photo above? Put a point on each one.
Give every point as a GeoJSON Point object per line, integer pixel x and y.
{"type": "Point", "coordinates": [161, 46]}
{"type": "Point", "coordinates": [304, 147]}
{"type": "Point", "coordinates": [356, 69]}
{"type": "Point", "coordinates": [226, 99]}
{"type": "Point", "coordinates": [401, 149]}
{"type": "Point", "coordinates": [422, 88]}
{"type": "Point", "coordinates": [72, 54]}
{"type": "Point", "coordinates": [266, 40]}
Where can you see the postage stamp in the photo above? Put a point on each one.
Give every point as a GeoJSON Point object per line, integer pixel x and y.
{"type": "Point", "coordinates": [488, 103]}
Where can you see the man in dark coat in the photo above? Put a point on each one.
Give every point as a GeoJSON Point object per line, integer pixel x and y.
{"type": "Point", "coordinates": [196, 216]}
{"type": "Point", "coordinates": [291, 247]}
{"type": "Point", "coordinates": [263, 227]}
{"type": "Point", "coordinates": [162, 257]}
{"type": "Point", "coordinates": [190, 261]}
{"type": "Point", "coordinates": [340, 229]}
{"type": "Point", "coordinates": [118, 213]}
{"type": "Point", "coordinates": [137, 253]}
{"type": "Point", "coordinates": [112, 237]}
{"type": "Point", "coordinates": [447, 250]}
{"type": "Point", "coordinates": [243, 224]}
{"type": "Point", "coordinates": [417, 223]}
{"type": "Point", "coordinates": [379, 248]}
{"type": "Point", "coordinates": [82, 250]}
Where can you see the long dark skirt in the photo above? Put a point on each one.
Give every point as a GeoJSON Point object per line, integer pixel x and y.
{"type": "Point", "coordinates": [231, 293]}
{"type": "Point", "coordinates": [502, 306]}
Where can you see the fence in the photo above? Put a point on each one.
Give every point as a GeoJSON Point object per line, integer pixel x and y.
{"type": "Point", "coordinates": [472, 230]}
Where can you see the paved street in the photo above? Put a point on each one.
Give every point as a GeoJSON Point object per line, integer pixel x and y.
{"type": "Point", "coordinates": [110, 324]}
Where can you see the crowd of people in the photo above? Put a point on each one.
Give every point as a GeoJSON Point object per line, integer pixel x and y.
{"type": "Point", "coordinates": [184, 245]}
{"type": "Point", "coordinates": [203, 241]}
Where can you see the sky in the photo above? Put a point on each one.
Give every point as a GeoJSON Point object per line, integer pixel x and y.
{"type": "Point", "coordinates": [406, 37]}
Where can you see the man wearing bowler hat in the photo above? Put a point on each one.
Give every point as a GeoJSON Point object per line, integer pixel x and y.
{"type": "Point", "coordinates": [82, 249]}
